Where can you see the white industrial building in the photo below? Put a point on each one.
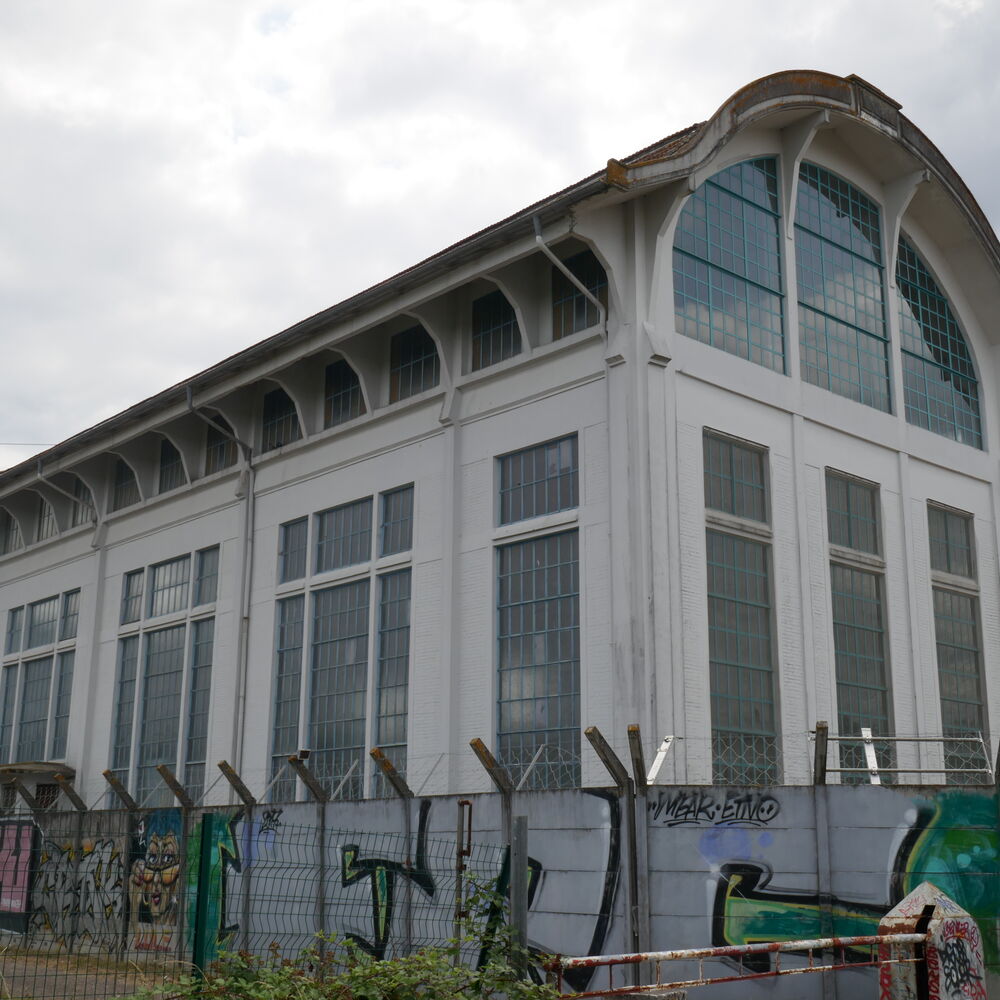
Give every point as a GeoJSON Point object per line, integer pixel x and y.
{"type": "Point", "coordinates": [703, 442]}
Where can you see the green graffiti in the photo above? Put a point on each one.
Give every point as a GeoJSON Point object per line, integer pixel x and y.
{"type": "Point", "coordinates": [953, 843]}
{"type": "Point", "coordinates": [224, 857]}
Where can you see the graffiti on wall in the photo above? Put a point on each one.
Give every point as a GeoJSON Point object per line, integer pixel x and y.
{"type": "Point", "coordinates": [81, 898]}
{"type": "Point", "coordinates": [950, 840]}
{"type": "Point", "coordinates": [18, 849]}
{"type": "Point", "coordinates": [154, 881]}
{"type": "Point", "coordinates": [712, 807]}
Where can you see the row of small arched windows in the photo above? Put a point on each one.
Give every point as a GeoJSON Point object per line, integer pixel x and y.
{"type": "Point", "coordinates": [728, 292]}
{"type": "Point", "coordinates": [413, 367]}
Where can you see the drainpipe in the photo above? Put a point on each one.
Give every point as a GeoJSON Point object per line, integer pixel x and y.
{"type": "Point", "coordinates": [573, 279]}
{"type": "Point", "coordinates": [248, 486]}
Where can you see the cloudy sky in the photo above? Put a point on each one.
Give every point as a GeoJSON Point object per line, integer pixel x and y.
{"type": "Point", "coordinates": [181, 178]}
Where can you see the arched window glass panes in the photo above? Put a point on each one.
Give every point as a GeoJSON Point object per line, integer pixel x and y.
{"type": "Point", "coordinates": [727, 264]}
{"type": "Point", "coordinates": [838, 252]}
{"type": "Point", "coordinates": [939, 380]}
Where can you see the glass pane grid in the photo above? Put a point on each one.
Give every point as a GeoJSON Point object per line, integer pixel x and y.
{"type": "Point", "coordinates": [121, 747]}
{"type": "Point", "coordinates": [344, 535]}
{"type": "Point", "coordinates": [741, 660]}
{"type": "Point", "coordinates": [82, 508]}
{"type": "Point", "coordinates": [339, 683]}
{"type": "Point", "coordinates": [64, 693]}
{"type": "Point", "coordinates": [942, 393]}
{"type": "Point", "coordinates": [852, 513]}
{"type": "Point", "coordinates": [539, 480]}
{"type": "Point", "coordinates": [292, 550]}
{"type": "Point", "coordinates": [735, 478]}
{"type": "Point", "coordinates": [171, 467]}
{"type": "Point", "coordinates": [280, 421]}
{"type": "Point", "coordinates": [572, 311]}
{"type": "Point", "coordinates": [7, 717]}
{"type": "Point", "coordinates": [495, 335]}
{"type": "Point", "coordinates": [70, 620]}
{"type": "Point", "coordinates": [414, 365]}
{"type": "Point", "coordinates": [727, 265]}
{"type": "Point", "coordinates": [34, 710]}
{"type": "Point", "coordinates": [15, 623]}
{"type": "Point", "coordinates": [393, 665]}
{"type": "Point", "coordinates": [10, 533]}
{"type": "Point", "coordinates": [951, 545]}
{"type": "Point", "coordinates": [42, 619]}
{"type": "Point", "coordinates": [840, 289]}
{"type": "Point", "coordinates": [397, 521]}
{"type": "Point", "coordinates": [46, 521]}
{"type": "Point", "coordinates": [201, 683]}
{"type": "Point", "coordinates": [343, 399]}
{"type": "Point", "coordinates": [126, 489]}
{"type": "Point", "coordinates": [132, 587]}
{"type": "Point", "coordinates": [206, 580]}
{"type": "Point", "coordinates": [288, 679]}
{"type": "Point", "coordinates": [168, 590]}
{"type": "Point", "coordinates": [220, 447]}
{"type": "Point", "coordinates": [539, 655]}
{"type": "Point", "coordinates": [859, 648]}
{"type": "Point", "coordinates": [161, 710]}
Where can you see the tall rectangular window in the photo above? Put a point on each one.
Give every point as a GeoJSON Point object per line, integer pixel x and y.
{"type": "Point", "coordinates": [292, 538]}
{"type": "Point", "coordinates": [288, 681]}
{"type": "Point", "coordinates": [339, 684]}
{"type": "Point", "coordinates": [392, 690]}
{"type": "Point", "coordinates": [959, 649]}
{"type": "Point", "coordinates": [343, 400]}
{"type": "Point", "coordinates": [10, 533]}
{"type": "Point", "coordinates": [70, 620]}
{"type": "Point", "coordinates": [396, 534]}
{"type": "Point", "coordinates": [121, 739]}
{"type": "Point", "coordinates": [539, 480]}
{"type": "Point", "coordinates": [414, 365]}
{"type": "Point", "coordinates": [60, 715]}
{"type": "Point", "coordinates": [15, 624]}
{"type": "Point", "coordinates": [206, 576]}
{"type": "Point", "coordinates": [344, 535]}
{"type": "Point", "coordinates": [132, 584]}
{"type": "Point", "coordinates": [34, 715]}
{"type": "Point", "coordinates": [741, 658]}
{"type": "Point", "coordinates": [10, 673]}
{"type": "Point", "coordinates": [168, 587]}
{"type": "Point", "coordinates": [495, 336]}
{"type": "Point", "coordinates": [160, 711]}
{"type": "Point", "coordinates": [202, 638]}
{"type": "Point", "coordinates": [859, 635]}
{"type": "Point", "coordinates": [538, 658]}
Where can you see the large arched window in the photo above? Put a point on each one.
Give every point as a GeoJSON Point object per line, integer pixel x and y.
{"type": "Point", "coordinates": [939, 379]}
{"type": "Point", "coordinates": [838, 253]}
{"type": "Point", "coordinates": [727, 264]}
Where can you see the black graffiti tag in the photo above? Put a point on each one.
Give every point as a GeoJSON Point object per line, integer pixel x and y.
{"type": "Point", "coordinates": [705, 808]}
{"type": "Point", "coordinates": [956, 967]}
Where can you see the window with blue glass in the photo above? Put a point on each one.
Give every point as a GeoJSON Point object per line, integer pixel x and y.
{"type": "Point", "coordinates": [940, 389]}
{"type": "Point", "coordinates": [727, 264]}
{"type": "Point", "coordinates": [843, 339]}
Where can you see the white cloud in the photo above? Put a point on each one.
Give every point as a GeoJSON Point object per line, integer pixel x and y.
{"type": "Point", "coordinates": [181, 179]}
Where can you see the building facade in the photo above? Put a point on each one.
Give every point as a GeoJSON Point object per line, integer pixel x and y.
{"type": "Point", "coordinates": [703, 442]}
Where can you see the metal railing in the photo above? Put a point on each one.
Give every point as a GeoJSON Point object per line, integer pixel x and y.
{"type": "Point", "coordinates": [848, 953]}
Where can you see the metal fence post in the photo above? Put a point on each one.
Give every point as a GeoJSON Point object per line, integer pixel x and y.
{"type": "Point", "coordinates": [402, 789]}
{"type": "Point", "coordinates": [246, 796]}
{"type": "Point", "coordinates": [298, 765]}
{"type": "Point", "coordinates": [519, 895]}
{"type": "Point", "coordinates": [203, 893]}
{"type": "Point", "coordinates": [499, 776]}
